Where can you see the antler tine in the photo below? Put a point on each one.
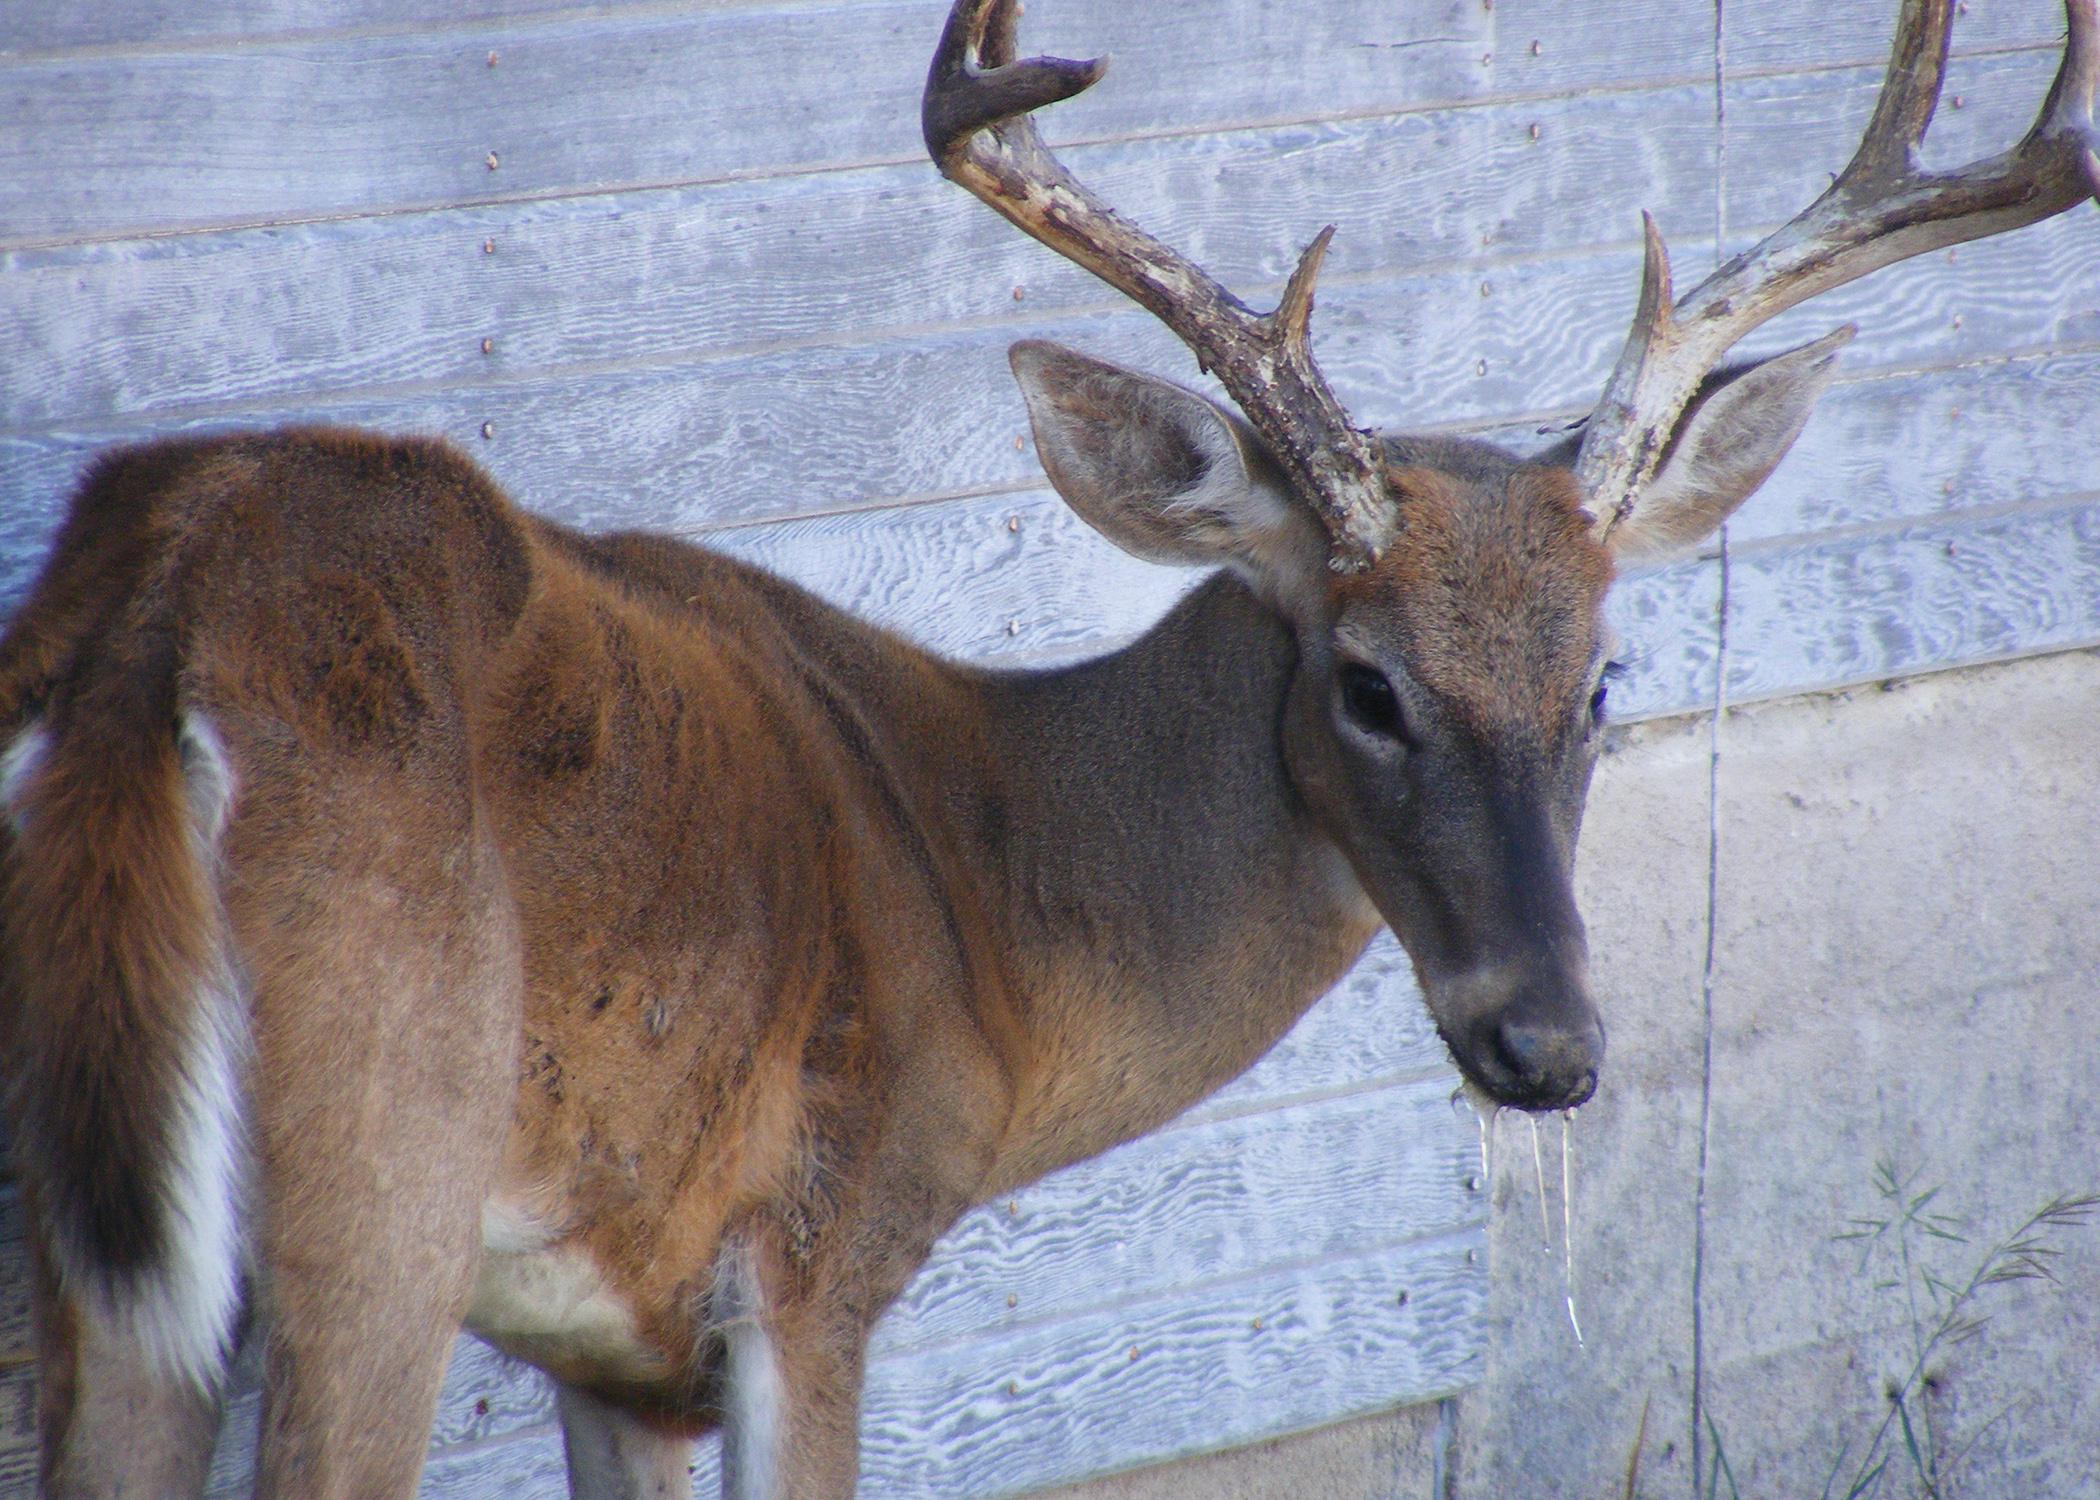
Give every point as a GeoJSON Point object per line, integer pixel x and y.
{"type": "Point", "coordinates": [961, 99]}
{"type": "Point", "coordinates": [1910, 93]}
{"type": "Point", "coordinates": [978, 131]}
{"type": "Point", "coordinates": [1881, 209]}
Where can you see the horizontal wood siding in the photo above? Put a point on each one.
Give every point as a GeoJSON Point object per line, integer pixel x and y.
{"type": "Point", "coordinates": [708, 285]}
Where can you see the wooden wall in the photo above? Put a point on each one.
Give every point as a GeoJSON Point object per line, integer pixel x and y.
{"type": "Point", "coordinates": [682, 265]}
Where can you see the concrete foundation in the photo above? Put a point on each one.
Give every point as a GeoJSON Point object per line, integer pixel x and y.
{"type": "Point", "coordinates": [1903, 890]}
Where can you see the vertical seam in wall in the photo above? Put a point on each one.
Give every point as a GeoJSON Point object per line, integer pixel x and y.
{"type": "Point", "coordinates": [1443, 1475]}
{"type": "Point", "coordinates": [1713, 837]}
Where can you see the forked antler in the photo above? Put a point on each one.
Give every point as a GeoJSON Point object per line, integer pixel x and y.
{"type": "Point", "coordinates": [1882, 208]}
{"type": "Point", "coordinates": [978, 130]}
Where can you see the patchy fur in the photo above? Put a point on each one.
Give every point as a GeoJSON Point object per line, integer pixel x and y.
{"type": "Point", "coordinates": [1492, 592]}
{"type": "Point", "coordinates": [552, 912]}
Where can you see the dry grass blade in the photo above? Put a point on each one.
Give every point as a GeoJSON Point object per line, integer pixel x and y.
{"type": "Point", "coordinates": [1640, 1443]}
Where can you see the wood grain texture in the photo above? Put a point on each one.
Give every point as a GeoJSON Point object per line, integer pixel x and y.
{"type": "Point", "coordinates": [1790, 131]}
{"type": "Point", "coordinates": [1017, 577]}
{"type": "Point", "coordinates": [1638, 43]}
{"type": "Point", "coordinates": [1582, 53]}
{"type": "Point", "coordinates": [1923, 444]}
{"type": "Point", "coordinates": [244, 317]}
{"type": "Point", "coordinates": [988, 1419]}
{"type": "Point", "coordinates": [1962, 588]}
{"type": "Point", "coordinates": [1773, 38]}
{"type": "Point", "coordinates": [292, 130]}
{"type": "Point", "coordinates": [141, 25]}
{"type": "Point", "coordinates": [835, 427]}
{"type": "Point", "coordinates": [1217, 1199]}
{"type": "Point", "coordinates": [487, 1402]}
{"type": "Point", "coordinates": [1168, 1377]}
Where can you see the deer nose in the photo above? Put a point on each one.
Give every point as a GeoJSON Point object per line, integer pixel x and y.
{"type": "Point", "coordinates": [1554, 1065]}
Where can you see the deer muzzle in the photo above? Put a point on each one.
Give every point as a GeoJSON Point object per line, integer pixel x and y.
{"type": "Point", "coordinates": [1529, 1034]}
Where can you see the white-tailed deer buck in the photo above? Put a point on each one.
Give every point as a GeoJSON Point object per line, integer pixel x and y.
{"type": "Point", "coordinates": [418, 914]}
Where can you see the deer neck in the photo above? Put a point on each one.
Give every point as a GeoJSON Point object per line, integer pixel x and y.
{"type": "Point", "coordinates": [1173, 909]}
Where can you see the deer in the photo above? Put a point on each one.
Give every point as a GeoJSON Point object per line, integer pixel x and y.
{"type": "Point", "coordinates": [419, 915]}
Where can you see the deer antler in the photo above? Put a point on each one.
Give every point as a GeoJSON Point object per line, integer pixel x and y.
{"type": "Point", "coordinates": [1882, 208]}
{"type": "Point", "coordinates": [978, 130]}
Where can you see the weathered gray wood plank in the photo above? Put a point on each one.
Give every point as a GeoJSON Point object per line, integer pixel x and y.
{"type": "Point", "coordinates": [1928, 443]}
{"type": "Point", "coordinates": [294, 130]}
{"type": "Point", "coordinates": [1178, 1375]}
{"type": "Point", "coordinates": [1003, 1416]}
{"type": "Point", "coordinates": [164, 24]}
{"type": "Point", "coordinates": [1543, 47]}
{"type": "Point", "coordinates": [1638, 43]}
{"type": "Point", "coordinates": [824, 429]}
{"type": "Point", "coordinates": [1202, 1202]}
{"type": "Point", "coordinates": [1588, 42]}
{"type": "Point", "coordinates": [1963, 589]}
{"type": "Point", "coordinates": [247, 316]}
{"type": "Point", "coordinates": [1788, 133]}
{"type": "Point", "coordinates": [1018, 577]}
{"type": "Point", "coordinates": [1781, 38]}
{"type": "Point", "coordinates": [526, 1466]}
{"type": "Point", "coordinates": [487, 1399]}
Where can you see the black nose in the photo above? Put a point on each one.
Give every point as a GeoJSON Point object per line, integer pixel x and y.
{"type": "Point", "coordinates": [1552, 1066]}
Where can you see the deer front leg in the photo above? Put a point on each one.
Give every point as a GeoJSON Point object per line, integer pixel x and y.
{"type": "Point", "coordinates": [791, 1388]}
{"type": "Point", "coordinates": [615, 1455]}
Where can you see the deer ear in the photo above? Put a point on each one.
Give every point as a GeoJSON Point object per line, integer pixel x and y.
{"type": "Point", "coordinates": [1731, 438]}
{"type": "Point", "coordinates": [1159, 470]}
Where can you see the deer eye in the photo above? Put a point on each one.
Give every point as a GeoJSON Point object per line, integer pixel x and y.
{"type": "Point", "coordinates": [1371, 702]}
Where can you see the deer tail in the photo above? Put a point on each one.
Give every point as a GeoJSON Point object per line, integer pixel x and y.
{"type": "Point", "coordinates": [125, 1026]}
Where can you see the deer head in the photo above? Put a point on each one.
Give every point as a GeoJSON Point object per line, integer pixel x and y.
{"type": "Point", "coordinates": [1446, 597]}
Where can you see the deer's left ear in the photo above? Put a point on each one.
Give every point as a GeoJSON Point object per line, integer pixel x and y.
{"type": "Point", "coordinates": [1732, 437]}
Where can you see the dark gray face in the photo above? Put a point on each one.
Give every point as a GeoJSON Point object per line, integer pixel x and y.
{"type": "Point", "coordinates": [1443, 727]}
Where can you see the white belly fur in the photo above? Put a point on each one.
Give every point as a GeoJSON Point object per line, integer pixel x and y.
{"type": "Point", "coordinates": [551, 1302]}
